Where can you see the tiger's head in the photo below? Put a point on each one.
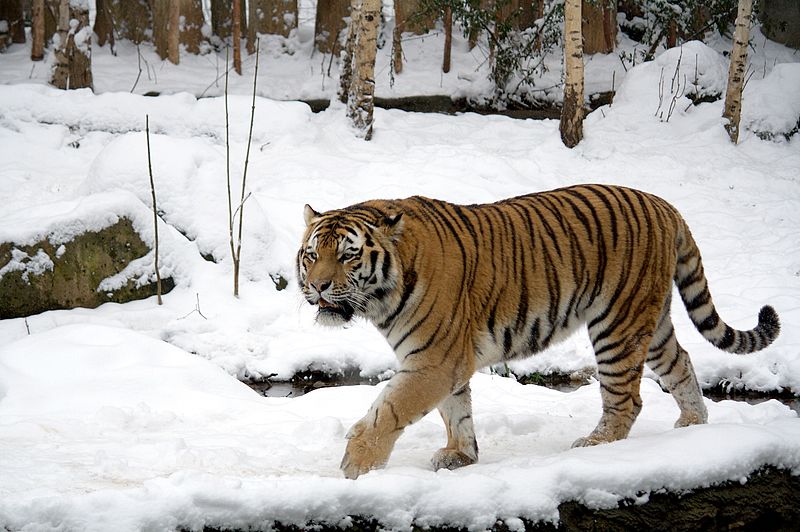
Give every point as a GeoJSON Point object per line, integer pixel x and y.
{"type": "Point", "coordinates": [347, 264]}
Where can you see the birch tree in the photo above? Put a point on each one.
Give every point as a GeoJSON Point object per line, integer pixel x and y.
{"type": "Point", "coordinates": [736, 73]}
{"type": "Point", "coordinates": [360, 99]}
{"type": "Point", "coordinates": [73, 45]}
{"type": "Point", "coordinates": [572, 111]}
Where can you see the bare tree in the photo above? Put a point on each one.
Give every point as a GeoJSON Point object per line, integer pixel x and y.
{"type": "Point", "coordinates": [329, 23]}
{"type": "Point", "coordinates": [12, 13]}
{"type": "Point", "coordinates": [191, 28]}
{"type": "Point", "coordinates": [155, 207]}
{"type": "Point", "coordinates": [37, 30]}
{"type": "Point", "coordinates": [412, 16]}
{"type": "Point", "coordinates": [346, 67]}
{"type": "Point", "coordinates": [132, 19]}
{"type": "Point", "coordinates": [360, 100]}
{"type": "Point", "coordinates": [599, 26]}
{"type": "Point", "coordinates": [73, 46]}
{"type": "Point", "coordinates": [166, 29]}
{"type": "Point", "coordinates": [236, 243]}
{"type": "Point", "coordinates": [222, 19]}
{"type": "Point", "coordinates": [448, 38]}
{"type": "Point", "coordinates": [274, 17]}
{"type": "Point", "coordinates": [736, 72]}
{"type": "Point", "coordinates": [572, 111]}
{"type": "Point", "coordinates": [104, 24]}
{"type": "Point", "coordinates": [237, 36]}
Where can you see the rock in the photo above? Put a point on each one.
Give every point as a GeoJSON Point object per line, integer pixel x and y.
{"type": "Point", "coordinates": [48, 276]}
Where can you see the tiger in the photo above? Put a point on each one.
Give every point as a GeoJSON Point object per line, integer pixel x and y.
{"type": "Point", "coordinates": [455, 288]}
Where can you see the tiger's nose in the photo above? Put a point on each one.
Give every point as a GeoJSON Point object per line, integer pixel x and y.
{"type": "Point", "coordinates": [320, 286]}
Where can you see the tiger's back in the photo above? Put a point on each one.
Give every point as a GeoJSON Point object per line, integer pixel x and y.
{"type": "Point", "coordinates": [457, 287]}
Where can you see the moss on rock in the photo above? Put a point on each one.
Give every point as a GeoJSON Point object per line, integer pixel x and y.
{"type": "Point", "coordinates": [69, 274]}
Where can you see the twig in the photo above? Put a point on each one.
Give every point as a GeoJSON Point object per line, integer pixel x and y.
{"type": "Point", "coordinates": [241, 205]}
{"type": "Point", "coordinates": [196, 309]}
{"type": "Point", "coordinates": [27, 327]}
{"type": "Point", "coordinates": [139, 56]}
{"type": "Point", "coordinates": [155, 209]}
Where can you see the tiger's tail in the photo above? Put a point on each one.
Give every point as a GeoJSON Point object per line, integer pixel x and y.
{"type": "Point", "coordinates": [693, 288]}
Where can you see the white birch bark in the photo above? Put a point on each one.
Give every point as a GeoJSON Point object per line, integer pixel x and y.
{"type": "Point", "coordinates": [737, 70]}
{"type": "Point", "coordinates": [360, 101]}
{"type": "Point", "coordinates": [571, 126]}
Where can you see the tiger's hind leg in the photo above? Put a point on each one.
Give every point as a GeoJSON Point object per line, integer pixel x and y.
{"type": "Point", "coordinates": [620, 345]}
{"type": "Point", "coordinates": [462, 447]}
{"type": "Point", "coordinates": [671, 363]}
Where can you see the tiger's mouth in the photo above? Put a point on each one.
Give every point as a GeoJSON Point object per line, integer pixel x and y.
{"type": "Point", "coordinates": [332, 312]}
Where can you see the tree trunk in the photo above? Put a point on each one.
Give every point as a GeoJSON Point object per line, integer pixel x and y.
{"type": "Point", "coordinates": [104, 24]}
{"type": "Point", "coordinates": [537, 45]}
{"type": "Point", "coordinates": [411, 17]}
{"type": "Point", "coordinates": [736, 73]}
{"type": "Point", "coordinates": [237, 36]}
{"type": "Point", "coordinates": [329, 23]}
{"type": "Point", "coordinates": [572, 111]}
{"type": "Point", "coordinates": [346, 68]}
{"type": "Point", "coordinates": [672, 34]}
{"type": "Point", "coordinates": [222, 19]}
{"type": "Point", "coordinates": [448, 38]}
{"type": "Point", "coordinates": [166, 29]}
{"type": "Point", "coordinates": [474, 32]}
{"type": "Point", "coordinates": [11, 11]}
{"type": "Point", "coordinates": [191, 30]}
{"type": "Point", "coordinates": [73, 46]}
{"type": "Point", "coordinates": [37, 30]}
{"type": "Point", "coordinates": [397, 37]}
{"type": "Point", "coordinates": [528, 13]}
{"type": "Point", "coordinates": [518, 13]}
{"type": "Point", "coordinates": [360, 103]}
{"type": "Point", "coordinates": [132, 19]}
{"type": "Point", "coordinates": [599, 27]}
{"type": "Point", "coordinates": [273, 17]}
{"type": "Point", "coordinates": [780, 21]}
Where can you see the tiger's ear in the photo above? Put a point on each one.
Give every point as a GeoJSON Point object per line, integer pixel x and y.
{"type": "Point", "coordinates": [392, 224]}
{"type": "Point", "coordinates": [309, 214]}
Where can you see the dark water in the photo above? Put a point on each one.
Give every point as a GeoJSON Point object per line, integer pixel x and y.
{"type": "Point", "coordinates": [305, 384]}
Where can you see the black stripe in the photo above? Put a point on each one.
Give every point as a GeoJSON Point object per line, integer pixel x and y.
{"type": "Point", "coordinates": [409, 283]}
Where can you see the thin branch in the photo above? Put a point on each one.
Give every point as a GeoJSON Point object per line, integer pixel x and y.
{"type": "Point", "coordinates": [139, 75]}
{"type": "Point", "coordinates": [241, 205]}
{"type": "Point", "coordinates": [155, 209]}
{"type": "Point", "coordinates": [244, 175]}
{"type": "Point", "coordinates": [228, 172]}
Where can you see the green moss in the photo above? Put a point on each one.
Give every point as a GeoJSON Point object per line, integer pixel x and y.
{"type": "Point", "coordinates": [77, 272]}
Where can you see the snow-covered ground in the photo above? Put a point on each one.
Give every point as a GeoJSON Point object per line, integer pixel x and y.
{"type": "Point", "coordinates": [103, 428]}
{"type": "Point", "coordinates": [120, 417]}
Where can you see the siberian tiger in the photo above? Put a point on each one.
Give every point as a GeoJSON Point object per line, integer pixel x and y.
{"type": "Point", "coordinates": [458, 287]}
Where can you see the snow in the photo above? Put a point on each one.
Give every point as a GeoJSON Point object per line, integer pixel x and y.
{"type": "Point", "coordinates": [126, 417]}
{"type": "Point", "coordinates": [160, 439]}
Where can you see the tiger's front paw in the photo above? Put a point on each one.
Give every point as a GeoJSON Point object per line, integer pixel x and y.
{"type": "Point", "coordinates": [365, 451]}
